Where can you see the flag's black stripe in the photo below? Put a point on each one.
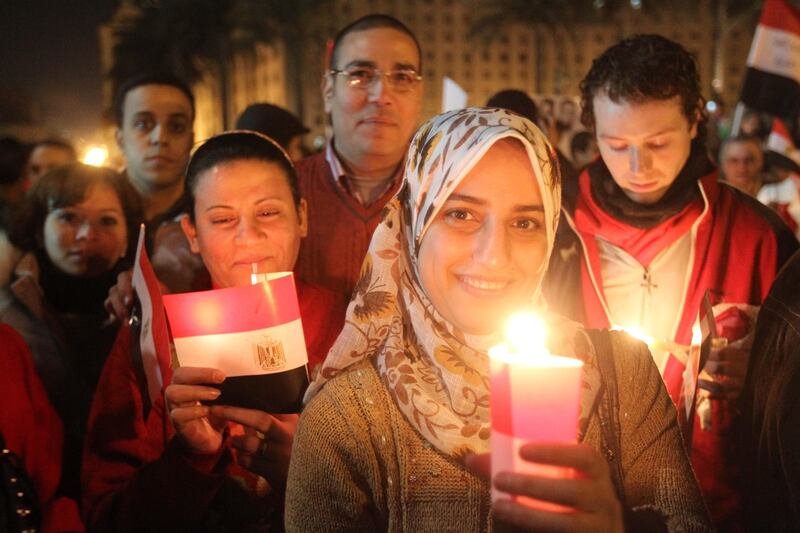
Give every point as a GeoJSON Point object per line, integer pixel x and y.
{"type": "Point", "coordinates": [274, 393]}
{"type": "Point", "coordinates": [771, 93]}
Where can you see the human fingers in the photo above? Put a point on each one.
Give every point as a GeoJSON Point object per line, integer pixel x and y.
{"type": "Point", "coordinates": [274, 429]}
{"type": "Point", "coordinates": [532, 519]}
{"type": "Point", "coordinates": [194, 375]}
{"type": "Point", "coordinates": [117, 310]}
{"type": "Point", "coordinates": [182, 394]}
{"type": "Point", "coordinates": [570, 492]}
{"type": "Point", "coordinates": [182, 415]}
{"type": "Point", "coordinates": [248, 443]}
{"type": "Point", "coordinates": [581, 457]}
{"type": "Point", "coordinates": [479, 463]}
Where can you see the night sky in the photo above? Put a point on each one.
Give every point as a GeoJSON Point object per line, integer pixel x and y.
{"type": "Point", "coordinates": [49, 50]}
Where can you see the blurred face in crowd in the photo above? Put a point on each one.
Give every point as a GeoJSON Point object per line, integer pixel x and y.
{"type": "Point", "coordinates": [156, 136]}
{"type": "Point", "coordinates": [741, 162]}
{"type": "Point", "coordinates": [46, 157]}
{"type": "Point", "coordinates": [481, 255]}
{"type": "Point", "coordinates": [89, 238]}
{"type": "Point", "coordinates": [374, 122]}
{"type": "Point", "coordinates": [295, 148]}
{"type": "Point", "coordinates": [751, 124]}
{"type": "Point", "coordinates": [643, 144]}
{"type": "Point", "coordinates": [567, 112]}
{"type": "Point", "coordinates": [244, 214]}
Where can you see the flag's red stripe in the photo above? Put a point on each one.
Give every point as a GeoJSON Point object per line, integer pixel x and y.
{"type": "Point", "coordinates": [778, 128]}
{"type": "Point", "coordinates": [778, 14]}
{"type": "Point", "coordinates": [500, 402]}
{"type": "Point", "coordinates": [232, 310]}
{"type": "Point", "coordinates": [159, 322]}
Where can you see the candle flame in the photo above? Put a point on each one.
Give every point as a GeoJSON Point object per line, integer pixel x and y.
{"type": "Point", "coordinates": [525, 344]}
{"type": "Point", "coordinates": [697, 335]}
{"type": "Point", "coordinates": [526, 333]}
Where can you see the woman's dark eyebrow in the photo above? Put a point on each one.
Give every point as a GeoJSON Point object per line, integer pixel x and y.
{"type": "Point", "coordinates": [477, 201]}
{"type": "Point", "coordinates": [524, 208]}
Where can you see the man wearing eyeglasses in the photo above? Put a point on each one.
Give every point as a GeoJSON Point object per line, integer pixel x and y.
{"type": "Point", "coordinates": [373, 94]}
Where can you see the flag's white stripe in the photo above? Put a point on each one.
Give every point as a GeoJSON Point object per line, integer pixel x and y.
{"type": "Point", "coordinates": [147, 346]}
{"type": "Point", "coordinates": [778, 143]}
{"type": "Point", "coordinates": [236, 354]}
{"type": "Point", "coordinates": [776, 51]}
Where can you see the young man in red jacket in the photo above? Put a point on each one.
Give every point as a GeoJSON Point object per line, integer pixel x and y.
{"type": "Point", "coordinates": [648, 228]}
{"type": "Point", "coordinates": [373, 94]}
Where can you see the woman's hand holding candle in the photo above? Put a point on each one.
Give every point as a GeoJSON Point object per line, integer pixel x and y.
{"type": "Point", "coordinates": [590, 496]}
{"type": "Point", "coordinates": [200, 431]}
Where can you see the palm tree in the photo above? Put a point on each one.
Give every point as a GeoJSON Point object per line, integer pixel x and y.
{"type": "Point", "coordinates": [189, 37]}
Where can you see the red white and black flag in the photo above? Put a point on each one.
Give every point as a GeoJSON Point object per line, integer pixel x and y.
{"type": "Point", "coordinates": [780, 150]}
{"type": "Point", "coordinates": [154, 334]}
{"type": "Point", "coordinates": [254, 334]}
{"type": "Point", "coordinates": [772, 82]}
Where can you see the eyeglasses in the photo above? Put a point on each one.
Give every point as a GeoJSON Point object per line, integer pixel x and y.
{"type": "Point", "coordinates": [401, 80]}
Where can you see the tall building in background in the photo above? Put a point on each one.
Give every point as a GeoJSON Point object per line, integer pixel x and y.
{"type": "Point", "coordinates": [539, 59]}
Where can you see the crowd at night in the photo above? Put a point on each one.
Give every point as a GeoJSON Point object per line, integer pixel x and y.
{"type": "Point", "coordinates": [533, 312]}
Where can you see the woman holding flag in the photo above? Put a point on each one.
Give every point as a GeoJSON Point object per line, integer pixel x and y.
{"type": "Point", "coordinates": [180, 464]}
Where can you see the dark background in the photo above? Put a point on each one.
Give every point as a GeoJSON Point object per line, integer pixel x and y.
{"type": "Point", "coordinates": [50, 62]}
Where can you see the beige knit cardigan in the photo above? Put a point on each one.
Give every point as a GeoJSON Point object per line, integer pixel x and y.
{"type": "Point", "coordinates": [358, 465]}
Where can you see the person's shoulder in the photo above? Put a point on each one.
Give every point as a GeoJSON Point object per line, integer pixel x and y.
{"type": "Point", "coordinates": [627, 352]}
{"type": "Point", "coordinates": [319, 295]}
{"type": "Point", "coordinates": [347, 394]}
{"type": "Point", "coordinates": [14, 351]}
{"type": "Point", "coordinates": [784, 288]}
{"type": "Point", "coordinates": [311, 165]}
{"type": "Point", "coordinates": [316, 300]}
{"type": "Point", "coordinates": [758, 220]}
{"type": "Point", "coordinates": [750, 207]}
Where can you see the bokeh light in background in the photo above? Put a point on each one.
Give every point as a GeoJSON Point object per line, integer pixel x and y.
{"type": "Point", "coordinates": [95, 156]}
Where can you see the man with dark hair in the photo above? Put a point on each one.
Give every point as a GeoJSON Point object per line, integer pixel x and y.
{"type": "Point", "coordinates": [155, 115]}
{"type": "Point", "coordinates": [276, 123]}
{"type": "Point", "coordinates": [372, 91]}
{"type": "Point", "coordinates": [522, 104]}
{"type": "Point", "coordinates": [649, 229]}
{"type": "Point", "coordinates": [583, 147]}
{"type": "Point", "coordinates": [49, 154]}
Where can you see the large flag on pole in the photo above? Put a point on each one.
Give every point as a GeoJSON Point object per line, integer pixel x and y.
{"type": "Point", "coordinates": [772, 82]}
{"type": "Point", "coordinates": [154, 335]}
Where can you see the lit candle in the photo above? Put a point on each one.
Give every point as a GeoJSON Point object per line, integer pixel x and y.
{"type": "Point", "coordinates": [535, 397]}
{"type": "Point", "coordinates": [680, 350]}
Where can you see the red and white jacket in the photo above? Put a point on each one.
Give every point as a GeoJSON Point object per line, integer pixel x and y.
{"type": "Point", "coordinates": [738, 246]}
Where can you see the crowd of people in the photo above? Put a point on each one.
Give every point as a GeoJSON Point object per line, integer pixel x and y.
{"type": "Point", "coordinates": [412, 245]}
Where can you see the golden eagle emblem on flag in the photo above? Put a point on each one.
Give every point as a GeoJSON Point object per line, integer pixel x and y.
{"type": "Point", "coordinates": [269, 354]}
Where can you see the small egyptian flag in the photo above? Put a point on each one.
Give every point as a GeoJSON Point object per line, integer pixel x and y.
{"type": "Point", "coordinates": [780, 150]}
{"type": "Point", "coordinates": [253, 334]}
{"type": "Point", "coordinates": [702, 339]}
{"type": "Point", "coordinates": [154, 334]}
{"type": "Point", "coordinates": [772, 81]}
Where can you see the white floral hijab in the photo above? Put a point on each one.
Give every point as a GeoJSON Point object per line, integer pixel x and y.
{"type": "Point", "coordinates": [437, 375]}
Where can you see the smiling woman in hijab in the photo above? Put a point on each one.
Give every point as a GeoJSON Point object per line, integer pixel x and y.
{"type": "Point", "coordinates": [396, 431]}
